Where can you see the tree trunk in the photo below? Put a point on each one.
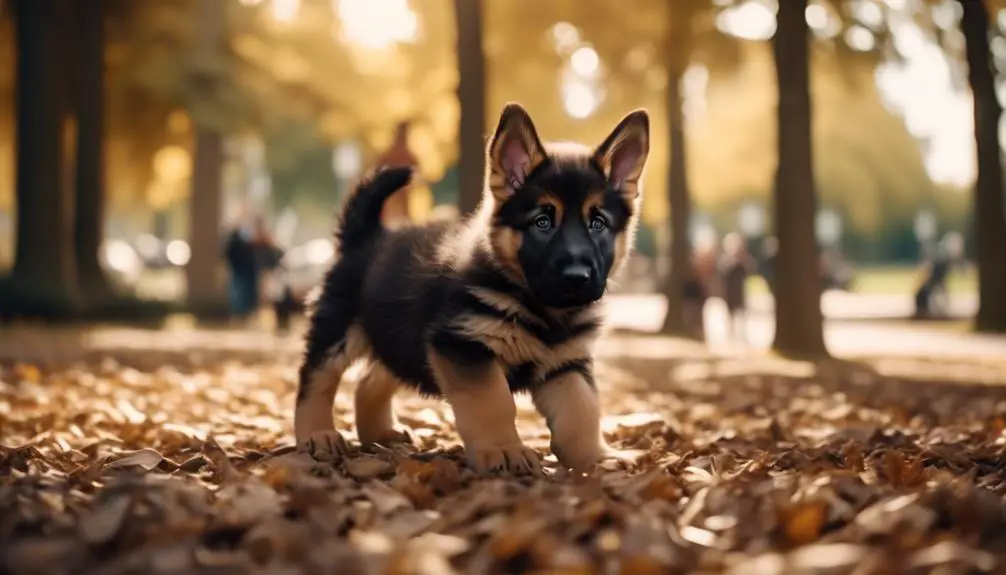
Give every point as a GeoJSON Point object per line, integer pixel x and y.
{"type": "Point", "coordinates": [90, 163]}
{"type": "Point", "coordinates": [679, 200]}
{"type": "Point", "coordinates": [990, 212]}
{"type": "Point", "coordinates": [472, 99]}
{"type": "Point", "coordinates": [44, 256]}
{"type": "Point", "coordinates": [799, 321]}
{"type": "Point", "coordinates": [203, 269]}
{"type": "Point", "coordinates": [205, 293]}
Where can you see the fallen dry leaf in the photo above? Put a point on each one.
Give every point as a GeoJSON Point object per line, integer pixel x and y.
{"type": "Point", "coordinates": [698, 536]}
{"type": "Point", "coordinates": [385, 498]}
{"type": "Point", "coordinates": [802, 522]}
{"type": "Point", "coordinates": [145, 459]}
{"type": "Point", "coordinates": [367, 467]}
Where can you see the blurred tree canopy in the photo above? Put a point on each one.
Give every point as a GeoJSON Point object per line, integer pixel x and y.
{"type": "Point", "coordinates": [868, 165]}
{"type": "Point", "coordinates": [300, 88]}
{"type": "Point", "coordinates": [292, 83]}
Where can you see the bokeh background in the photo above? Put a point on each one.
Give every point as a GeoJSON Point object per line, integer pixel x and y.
{"type": "Point", "coordinates": [147, 130]}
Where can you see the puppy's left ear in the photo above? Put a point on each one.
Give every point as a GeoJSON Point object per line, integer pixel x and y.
{"type": "Point", "coordinates": [622, 155]}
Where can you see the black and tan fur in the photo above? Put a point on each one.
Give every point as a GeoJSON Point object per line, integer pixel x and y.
{"type": "Point", "coordinates": [473, 311]}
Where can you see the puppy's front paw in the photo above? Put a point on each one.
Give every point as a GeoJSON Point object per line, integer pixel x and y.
{"type": "Point", "coordinates": [514, 458]}
{"type": "Point", "coordinates": [578, 456]}
{"type": "Point", "coordinates": [325, 445]}
{"type": "Point", "coordinates": [390, 436]}
{"type": "Point", "coordinates": [585, 458]}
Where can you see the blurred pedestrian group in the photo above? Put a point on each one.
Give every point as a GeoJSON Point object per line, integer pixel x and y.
{"type": "Point", "coordinates": [719, 272]}
{"type": "Point", "coordinates": [721, 269]}
{"type": "Point", "coordinates": [254, 262]}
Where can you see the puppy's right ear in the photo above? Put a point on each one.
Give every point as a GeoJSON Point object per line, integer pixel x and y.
{"type": "Point", "coordinates": [514, 152]}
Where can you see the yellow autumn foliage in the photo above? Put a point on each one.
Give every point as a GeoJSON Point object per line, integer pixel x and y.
{"type": "Point", "coordinates": [865, 161]}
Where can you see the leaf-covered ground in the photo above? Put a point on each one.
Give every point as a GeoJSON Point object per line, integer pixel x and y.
{"type": "Point", "coordinates": [171, 457]}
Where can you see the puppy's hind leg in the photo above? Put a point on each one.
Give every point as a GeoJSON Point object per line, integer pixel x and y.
{"type": "Point", "coordinates": [374, 409]}
{"type": "Point", "coordinates": [320, 375]}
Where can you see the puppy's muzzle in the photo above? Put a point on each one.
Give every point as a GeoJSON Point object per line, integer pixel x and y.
{"type": "Point", "coordinates": [576, 277]}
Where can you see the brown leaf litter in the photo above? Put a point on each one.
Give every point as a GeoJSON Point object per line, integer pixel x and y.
{"type": "Point", "coordinates": [112, 469]}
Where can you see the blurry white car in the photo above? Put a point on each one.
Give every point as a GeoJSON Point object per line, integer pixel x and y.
{"type": "Point", "coordinates": [121, 261]}
{"type": "Point", "coordinates": [304, 265]}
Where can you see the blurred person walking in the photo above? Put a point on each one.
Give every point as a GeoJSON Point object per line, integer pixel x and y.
{"type": "Point", "coordinates": [735, 267]}
{"type": "Point", "coordinates": [700, 284]}
{"type": "Point", "coordinates": [239, 254]}
{"type": "Point", "coordinates": [707, 260]}
{"type": "Point", "coordinates": [396, 208]}
{"type": "Point", "coordinates": [769, 251]}
{"type": "Point", "coordinates": [931, 294]}
{"type": "Point", "coordinates": [269, 272]}
{"type": "Point", "coordinates": [267, 253]}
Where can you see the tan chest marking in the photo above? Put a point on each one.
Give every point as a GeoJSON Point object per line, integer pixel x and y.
{"type": "Point", "coordinates": [516, 346]}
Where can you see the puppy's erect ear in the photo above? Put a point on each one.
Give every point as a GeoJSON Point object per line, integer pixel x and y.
{"type": "Point", "coordinates": [513, 153]}
{"type": "Point", "coordinates": [622, 155]}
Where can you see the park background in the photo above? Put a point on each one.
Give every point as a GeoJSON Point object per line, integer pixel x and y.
{"type": "Point", "coordinates": [155, 125]}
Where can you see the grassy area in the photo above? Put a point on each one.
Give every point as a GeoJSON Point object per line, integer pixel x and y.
{"type": "Point", "coordinates": [904, 280]}
{"type": "Point", "coordinates": [892, 280]}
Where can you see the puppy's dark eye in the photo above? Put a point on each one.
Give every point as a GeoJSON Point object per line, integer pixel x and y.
{"type": "Point", "coordinates": [598, 223]}
{"type": "Point", "coordinates": [543, 222]}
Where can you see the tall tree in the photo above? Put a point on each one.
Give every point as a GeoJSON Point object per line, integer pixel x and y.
{"type": "Point", "coordinates": [678, 51]}
{"type": "Point", "coordinates": [43, 261]}
{"type": "Point", "coordinates": [472, 99]}
{"type": "Point", "coordinates": [989, 209]}
{"type": "Point", "coordinates": [90, 150]}
{"type": "Point", "coordinates": [205, 200]}
{"type": "Point", "coordinates": [798, 317]}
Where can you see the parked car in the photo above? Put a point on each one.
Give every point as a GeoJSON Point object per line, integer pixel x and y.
{"type": "Point", "coordinates": [304, 265]}
{"type": "Point", "coordinates": [121, 262]}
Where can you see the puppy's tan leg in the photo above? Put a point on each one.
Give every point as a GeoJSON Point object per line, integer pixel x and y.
{"type": "Point", "coordinates": [374, 410]}
{"type": "Point", "coordinates": [314, 426]}
{"type": "Point", "coordinates": [571, 407]}
{"type": "Point", "coordinates": [484, 413]}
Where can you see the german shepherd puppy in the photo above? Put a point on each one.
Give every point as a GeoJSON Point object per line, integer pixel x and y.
{"type": "Point", "coordinates": [475, 310]}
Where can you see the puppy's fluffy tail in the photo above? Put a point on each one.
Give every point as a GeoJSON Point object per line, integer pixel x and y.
{"type": "Point", "coordinates": [361, 214]}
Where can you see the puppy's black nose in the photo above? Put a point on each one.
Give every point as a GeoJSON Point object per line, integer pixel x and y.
{"type": "Point", "coordinates": [577, 276]}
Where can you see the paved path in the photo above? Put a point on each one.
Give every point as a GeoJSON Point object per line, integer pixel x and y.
{"type": "Point", "coordinates": [836, 305]}
{"type": "Point", "coordinates": [872, 332]}
{"type": "Point", "coordinates": [858, 325]}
